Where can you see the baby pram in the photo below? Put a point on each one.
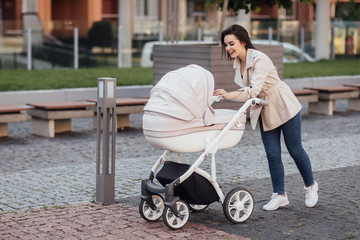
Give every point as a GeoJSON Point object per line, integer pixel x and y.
{"type": "Point", "coordinates": [179, 118]}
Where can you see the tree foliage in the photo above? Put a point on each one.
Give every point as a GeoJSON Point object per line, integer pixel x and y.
{"type": "Point", "coordinates": [101, 34]}
{"type": "Point", "coordinates": [253, 5]}
{"type": "Point", "coordinates": [348, 11]}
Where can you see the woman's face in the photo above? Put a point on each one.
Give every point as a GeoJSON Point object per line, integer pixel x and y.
{"type": "Point", "coordinates": [234, 47]}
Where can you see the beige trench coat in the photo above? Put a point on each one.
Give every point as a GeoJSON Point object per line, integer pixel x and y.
{"type": "Point", "coordinates": [260, 79]}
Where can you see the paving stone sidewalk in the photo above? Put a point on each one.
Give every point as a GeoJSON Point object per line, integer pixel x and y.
{"type": "Point", "coordinates": [336, 216]}
{"type": "Point", "coordinates": [91, 221]}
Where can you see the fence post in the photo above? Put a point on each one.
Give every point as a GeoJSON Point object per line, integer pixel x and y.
{"type": "Point", "coordinates": [53, 58]}
{"type": "Point", "coordinates": [1, 27]}
{"type": "Point", "coordinates": [28, 48]}
{"type": "Point", "coordinates": [199, 34]}
{"type": "Point", "coordinates": [302, 39]}
{"type": "Point", "coordinates": [332, 43]}
{"type": "Point", "coordinates": [76, 48]}
{"type": "Point", "coordinates": [270, 35]}
{"type": "Point", "coordinates": [105, 149]}
{"type": "Point", "coordinates": [160, 34]}
{"type": "Point", "coordinates": [119, 63]}
{"type": "Point", "coordinates": [15, 61]}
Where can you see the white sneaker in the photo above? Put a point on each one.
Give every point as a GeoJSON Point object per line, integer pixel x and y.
{"type": "Point", "coordinates": [276, 202]}
{"type": "Point", "coordinates": [311, 196]}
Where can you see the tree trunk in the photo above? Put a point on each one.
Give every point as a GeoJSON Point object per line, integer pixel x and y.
{"type": "Point", "coordinates": [223, 17]}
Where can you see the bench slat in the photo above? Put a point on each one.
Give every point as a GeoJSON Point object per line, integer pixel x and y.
{"type": "Point", "coordinates": [14, 117]}
{"type": "Point", "coordinates": [130, 101]}
{"type": "Point", "coordinates": [357, 85]}
{"type": "Point", "coordinates": [333, 89]}
{"type": "Point", "coordinates": [12, 108]}
{"type": "Point", "coordinates": [55, 115]}
{"type": "Point", "coordinates": [301, 92]}
{"type": "Point", "coordinates": [61, 105]}
{"type": "Point", "coordinates": [126, 101]}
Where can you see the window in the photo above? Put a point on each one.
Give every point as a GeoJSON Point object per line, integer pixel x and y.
{"type": "Point", "coordinates": [146, 9]}
{"type": "Point", "coordinates": [288, 13]}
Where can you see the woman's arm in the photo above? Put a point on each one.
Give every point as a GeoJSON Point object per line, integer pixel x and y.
{"type": "Point", "coordinates": [228, 95]}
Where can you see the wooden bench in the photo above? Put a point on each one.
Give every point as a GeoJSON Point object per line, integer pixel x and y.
{"type": "Point", "coordinates": [11, 113]}
{"type": "Point", "coordinates": [124, 107]}
{"type": "Point", "coordinates": [306, 95]}
{"type": "Point", "coordinates": [327, 97]}
{"type": "Point", "coordinates": [55, 117]}
{"type": "Point", "coordinates": [354, 103]}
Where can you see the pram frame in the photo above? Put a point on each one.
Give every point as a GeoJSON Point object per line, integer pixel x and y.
{"type": "Point", "coordinates": [148, 187]}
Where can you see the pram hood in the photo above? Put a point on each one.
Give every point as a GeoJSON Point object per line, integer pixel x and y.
{"type": "Point", "coordinates": [184, 94]}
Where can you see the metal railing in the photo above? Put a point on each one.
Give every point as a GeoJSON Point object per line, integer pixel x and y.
{"type": "Point", "coordinates": [57, 51]}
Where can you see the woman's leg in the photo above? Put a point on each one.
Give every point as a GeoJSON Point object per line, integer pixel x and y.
{"type": "Point", "coordinates": [292, 137]}
{"type": "Point", "coordinates": [271, 141]}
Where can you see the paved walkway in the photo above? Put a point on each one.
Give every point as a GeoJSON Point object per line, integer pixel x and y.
{"type": "Point", "coordinates": [47, 186]}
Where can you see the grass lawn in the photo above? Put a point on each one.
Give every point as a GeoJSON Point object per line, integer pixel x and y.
{"type": "Point", "coordinates": [322, 68]}
{"type": "Point", "coordinates": [14, 80]}
{"type": "Point", "coordinates": [11, 80]}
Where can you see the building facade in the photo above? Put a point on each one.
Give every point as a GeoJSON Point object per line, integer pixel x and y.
{"type": "Point", "coordinates": [57, 19]}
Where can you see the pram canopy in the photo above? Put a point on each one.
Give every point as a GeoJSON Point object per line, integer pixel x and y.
{"type": "Point", "coordinates": [184, 94]}
{"type": "Point", "coordinates": [179, 117]}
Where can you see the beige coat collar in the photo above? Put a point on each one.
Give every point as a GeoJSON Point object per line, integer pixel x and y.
{"type": "Point", "coordinates": [244, 81]}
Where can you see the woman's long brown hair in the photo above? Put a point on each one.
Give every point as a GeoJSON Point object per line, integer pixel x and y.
{"type": "Point", "coordinates": [240, 33]}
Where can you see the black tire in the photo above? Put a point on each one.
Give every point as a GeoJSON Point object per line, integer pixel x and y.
{"type": "Point", "coordinates": [197, 208]}
{"type": "Point", "coordinates": [174, 222]}
{"type": "Point", "coordinates": [238, 205]}
{"type": "Point", "coordinates": [149, 214]}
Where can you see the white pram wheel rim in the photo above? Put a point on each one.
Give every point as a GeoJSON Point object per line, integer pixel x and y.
{"type": "Point", "coordinates": [174, 222]}
{"type": "Point", "coordinates": [238, 205]}
{"type": "Point", "coordinates": [197, 207]}
{"type": "Point", "coordinates": [150, 214]}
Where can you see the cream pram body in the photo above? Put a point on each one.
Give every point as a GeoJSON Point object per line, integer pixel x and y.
{"type": "Point", "coordinates": [179, 116]}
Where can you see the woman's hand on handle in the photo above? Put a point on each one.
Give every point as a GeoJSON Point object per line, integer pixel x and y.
{"type": "Point", "coordinates": [220, 92]}
{"type": "Point", "coordinates": [227, 95]}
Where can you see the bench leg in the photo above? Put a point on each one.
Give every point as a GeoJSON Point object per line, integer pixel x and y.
{"type": "Point", "coordinates": [62, 125]}
{"type": "Point", "coordinates": [4, 129]}
{"type": "Point", "coordinates": [322, 107]}
{"type": "Point", "coordinates": [48, 128]}
{"type": "Point", "coordinates": [42, 127]}
{"type": "Point", "coordinates": [354, 104]}
{"type": "Point", "coordinates": [122, 121]}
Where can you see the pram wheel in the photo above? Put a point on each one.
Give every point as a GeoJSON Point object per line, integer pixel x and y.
{"type": "Point", "coordinates": [238, 205]}
{"type": "Point", "coordinates": [197, 208]}
{"type": "Point", "coordinates": [174, 222]}
{"type": "Point", "coordinates": [150, 214]}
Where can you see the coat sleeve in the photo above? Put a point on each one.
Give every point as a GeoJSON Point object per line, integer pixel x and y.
{"type": "Point", "coordinates": [259, 72]}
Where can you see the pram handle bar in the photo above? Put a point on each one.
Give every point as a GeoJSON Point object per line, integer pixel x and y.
{"type": "Point", "coordinates": [212, 147]}
{"type": "Point", "coordinates": [217, 98]}
{"type": "Point", "coordinates": [259, 101]}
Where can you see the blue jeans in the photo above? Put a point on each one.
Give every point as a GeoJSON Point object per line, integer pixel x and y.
{"type": "Point", "coordinates": [292, 136]}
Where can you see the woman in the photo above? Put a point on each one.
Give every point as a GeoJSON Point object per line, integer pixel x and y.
{"type": "Point", "coordinates": [258, 77]}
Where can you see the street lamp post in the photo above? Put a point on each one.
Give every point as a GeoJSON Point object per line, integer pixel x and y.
{"type": "Point", "coordinates": [105, 148]}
